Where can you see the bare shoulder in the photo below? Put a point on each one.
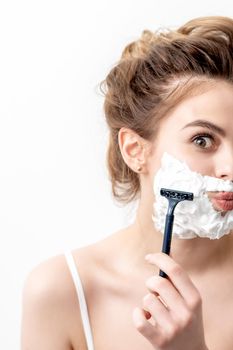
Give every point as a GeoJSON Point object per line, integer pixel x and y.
{"type": "Point", "coordinates": [50, 309]}
{"type": "Point", "coordinates": [47, 277]}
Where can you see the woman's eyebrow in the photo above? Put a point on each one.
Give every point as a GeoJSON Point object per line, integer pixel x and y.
{"type": "Point", "coordinates": [206, 124]}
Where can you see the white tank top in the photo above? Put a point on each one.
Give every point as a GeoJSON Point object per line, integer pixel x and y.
{"type": "Point", "coordinates": [82, 301]}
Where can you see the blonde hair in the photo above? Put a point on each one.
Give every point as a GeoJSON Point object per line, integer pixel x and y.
{"type": "Point", "coordinates": [155, 73]}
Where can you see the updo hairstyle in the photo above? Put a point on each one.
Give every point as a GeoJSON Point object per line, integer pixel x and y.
{"type": "Point", "coordinates": [152, 76]}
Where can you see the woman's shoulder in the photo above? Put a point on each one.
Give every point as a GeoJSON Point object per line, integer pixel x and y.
{"type": "Point", "coordinates": [51, 277]}
{"type": "Point", "coordinates": [50, 307]}
{"type": "Point", "coordinates": [48, 279]}
{"type": "Point", "coordinates": [50, 297]}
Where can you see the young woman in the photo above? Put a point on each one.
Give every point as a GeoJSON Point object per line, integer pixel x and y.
{"type": "Point", "coordinates": [171, 92]}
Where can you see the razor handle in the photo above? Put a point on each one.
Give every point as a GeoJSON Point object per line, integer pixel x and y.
{"type": "Point", "coordinates": [167, 239]}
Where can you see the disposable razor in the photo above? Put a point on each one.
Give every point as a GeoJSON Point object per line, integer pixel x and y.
{"type": "Point", "coordinates": [173, 197]}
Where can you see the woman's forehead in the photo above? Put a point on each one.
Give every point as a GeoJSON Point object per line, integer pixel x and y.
{"type": "Point", "coordinates": [214, 105]}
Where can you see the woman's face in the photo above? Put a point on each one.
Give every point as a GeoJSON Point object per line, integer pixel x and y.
{"type": "Point", "coordinates": [199, 131]}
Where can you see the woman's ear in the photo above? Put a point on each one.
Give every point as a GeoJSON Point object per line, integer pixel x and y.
{"type": "Point", "coordinates": [134, 149]}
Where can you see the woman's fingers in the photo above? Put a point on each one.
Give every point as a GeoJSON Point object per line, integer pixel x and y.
{"type": "Point", "coordinates": [159, 312]}
{"type": "Point", "coordinates": [174, 305]}
{"type": "Point", "coordinates": [178, 277]}
{"type": "Point", "coordinates": [169, 296]}
{"type": "Point", "coordinates": [151, 332]}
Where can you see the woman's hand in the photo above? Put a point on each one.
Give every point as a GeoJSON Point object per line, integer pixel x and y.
{"type": "Point", "coordinates": [171, 317]}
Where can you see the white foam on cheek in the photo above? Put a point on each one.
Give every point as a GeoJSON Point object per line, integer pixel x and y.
{"type": "Point", "coordinates": [192, 218]}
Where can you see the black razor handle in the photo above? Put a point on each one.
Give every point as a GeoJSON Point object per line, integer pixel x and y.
{"type": "Point", "coordinates": [167, 239]}
{"type": "Point", "coordinates": [173, 197]}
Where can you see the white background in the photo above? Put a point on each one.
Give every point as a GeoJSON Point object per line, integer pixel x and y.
{"type": "Point", "coordinates": [54, 189]}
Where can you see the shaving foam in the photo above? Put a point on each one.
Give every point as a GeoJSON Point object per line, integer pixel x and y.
{"type": "Point", "coordinates": [192, 218]}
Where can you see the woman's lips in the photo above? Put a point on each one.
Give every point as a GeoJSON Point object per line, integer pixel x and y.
{"type": "Point", "coordinates": [222, 200]}
{"type": "Point", "coordinates": [223, 195]}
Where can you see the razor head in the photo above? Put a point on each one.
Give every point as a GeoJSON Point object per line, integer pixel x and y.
{"type": "Point", "coordinates": [176, 195]}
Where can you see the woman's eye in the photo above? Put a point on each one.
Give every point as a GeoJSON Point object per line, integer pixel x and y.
{"type": "Point", "coordinates": [203, 141]}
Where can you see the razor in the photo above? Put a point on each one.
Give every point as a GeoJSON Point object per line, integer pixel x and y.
{"type": "Point", "coordinates": [173, 197]}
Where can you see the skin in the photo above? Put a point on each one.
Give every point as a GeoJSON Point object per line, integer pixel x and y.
{"type": "Point", "coordinates": [209, 152]}
{"type": "Point", "coordinates": [186, 306]}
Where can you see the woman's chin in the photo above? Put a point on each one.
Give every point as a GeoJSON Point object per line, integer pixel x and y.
{"type": "Point", "coordinates": [218, 209]}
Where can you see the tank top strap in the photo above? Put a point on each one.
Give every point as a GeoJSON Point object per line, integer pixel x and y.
{"type": "Point", "coordinates": [81, 297]}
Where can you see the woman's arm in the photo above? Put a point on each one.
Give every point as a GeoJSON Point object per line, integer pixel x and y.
{"type": "Point", "coordinates": [48, 301]}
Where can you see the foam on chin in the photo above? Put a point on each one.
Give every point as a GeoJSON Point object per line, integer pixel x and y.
{"type": "Point", "coordinates": [192, 218]}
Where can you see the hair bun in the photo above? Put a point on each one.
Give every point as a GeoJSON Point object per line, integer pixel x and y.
{"type": "Point", "coordinates": [215, 28]}
{"type": "Point", "coordinates": [141, 46]}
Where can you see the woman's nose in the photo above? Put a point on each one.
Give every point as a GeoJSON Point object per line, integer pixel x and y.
{"type": "Point", "coordinates": [224, 166]}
